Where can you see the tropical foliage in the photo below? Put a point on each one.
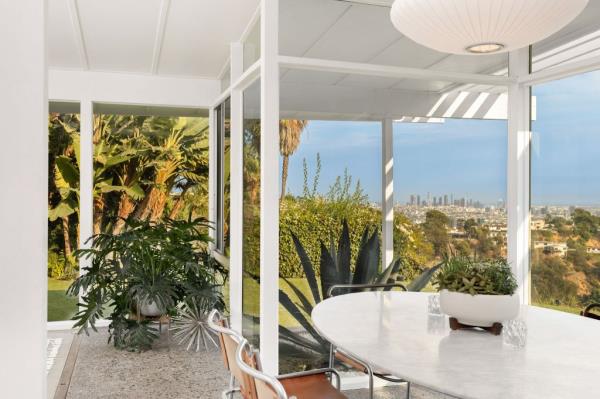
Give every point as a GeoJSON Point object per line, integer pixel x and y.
{"type": "Point", "coordinates": [163, 263]}
{"type": "Point", "coordinates": [472, 276]}
{"type": "Point", "coordinates": [148, 168]}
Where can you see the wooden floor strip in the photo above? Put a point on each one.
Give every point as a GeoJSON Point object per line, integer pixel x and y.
{"type": "Point", "coordinates": [65, 378]}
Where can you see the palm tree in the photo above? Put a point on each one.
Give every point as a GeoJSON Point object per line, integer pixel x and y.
{"type": "Point", "coordinates": [290, 131]}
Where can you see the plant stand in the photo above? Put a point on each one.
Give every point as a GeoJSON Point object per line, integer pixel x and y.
{"type": "Point", "coordinates": [495, 329]}
{"type": "Point", "coordinates": [163, 319]}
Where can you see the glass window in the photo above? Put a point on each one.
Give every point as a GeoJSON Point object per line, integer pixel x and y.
{"type": "Point", "coordinates": [226, 78]}
{"type": "Point", "coordinates": [330, 172]}
{"type": "Point", "coordinates": [223, 175]}
{"type": "Point", "coordinates": [63, 208]}
{"type": "Point", "coordinates": [252, 46]}
{"type": "Point", "coordinates": [148, 168]}
{"type": "Point", "coordinates": [565, 194]}
{"type": "Point", "coordinates": [251, 214]}
{"type": "Point", "coordinates": [449, 191]}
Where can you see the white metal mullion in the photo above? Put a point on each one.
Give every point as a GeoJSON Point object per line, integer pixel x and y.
{"type": "Point", "coordinates": [560, 71]}
{"type": "Point", "coordinates": [396, 72]}
{"type": "Point", "coordinates": [86, 179]}
{"type": "Point", "coordinates": [236, 191]}
{"type": "Point", "coordinates": [519, 136]}
{"type": "Point", "coordinates": [269, 188]}
{"type": "Point", "coordinates": [387, 192]}
{"type": "Point", "coordinates": [213, 194]}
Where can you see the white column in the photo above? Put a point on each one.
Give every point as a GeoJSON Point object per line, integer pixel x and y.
{"type": "Point", "coordinates": [519, 135]}
{"type": "Point", "coordinates": [24, 199]}
{"type": "Point", "coordinates": [212, 174]}
{"type": "Point", "coordinates": [86, 178]}
{"type": "Point", "coordinates": [387, 192]}
{"type": "Point", "coordinates": [269, 187]}
{"type": "Point", "coordinates": [236, 190]}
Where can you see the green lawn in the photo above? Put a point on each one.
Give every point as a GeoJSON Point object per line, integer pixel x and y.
{"type": "Point", "coordinates": [60, 306]}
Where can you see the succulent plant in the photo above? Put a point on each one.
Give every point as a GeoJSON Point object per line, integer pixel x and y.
{"type": "Point", "coordinates": [471, 276]}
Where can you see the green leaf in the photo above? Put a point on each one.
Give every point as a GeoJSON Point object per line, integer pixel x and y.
{"type": "Point", "coordinates": [343, 254]}
{"type": "Point", "coordinates": [329, 273]}
{"type": "Point", "coordinates": [367, 261]}
{"type": "Point", "coordinates": [63, 209]}
{"type": "Point", "coordinates": [307, 266]}
{"type": "Point", "coordinates": [423, 279]}
{"type": "Point", "coordinates": [68, 171]}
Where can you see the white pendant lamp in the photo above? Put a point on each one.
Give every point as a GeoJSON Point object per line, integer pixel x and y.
{"type": "Point", "coordinates": [482, 26]}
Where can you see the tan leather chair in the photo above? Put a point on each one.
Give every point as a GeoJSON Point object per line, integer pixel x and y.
{"type": "Point", "coordinates": [314, 384]}
{"type": "Point", "coordinates": [229, 340]}
{"type": "Point", "coordinates": [354, 362]}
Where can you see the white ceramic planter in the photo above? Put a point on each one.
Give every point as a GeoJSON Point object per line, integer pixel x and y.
{"type": "Point", "coordinates": [150, 309]}
{"type": "Point", "coordinates": [479, 310]}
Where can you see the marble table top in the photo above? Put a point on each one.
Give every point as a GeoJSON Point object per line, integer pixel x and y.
{"type": "Point", "coordinates": [543, 354]}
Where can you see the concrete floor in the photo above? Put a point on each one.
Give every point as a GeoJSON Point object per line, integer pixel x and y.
{"type": "Point", "coordinates": [57, 350]}
{"type": "Point", "coordinates": [168, 371]}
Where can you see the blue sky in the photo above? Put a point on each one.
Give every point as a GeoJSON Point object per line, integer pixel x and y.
{"type": "Point", "coordinates": [468, 157]}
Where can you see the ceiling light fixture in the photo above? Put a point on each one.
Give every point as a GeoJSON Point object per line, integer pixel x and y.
{"type": "Point", "coordinates": [482, 26]}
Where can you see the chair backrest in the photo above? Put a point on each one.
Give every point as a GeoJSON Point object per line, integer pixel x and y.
{"type": "Point", "coordinates": [265, 386]}
{"type": "Point", "coordinates": [590, 309]}
{"type": "Point", "coordinates": [229, 340]}
{"type": "Point", "coordinates": [338, 289]}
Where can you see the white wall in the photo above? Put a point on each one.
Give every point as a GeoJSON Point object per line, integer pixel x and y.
{"type": "Point", "coordinates": [123, 88]}
{"type": "Point", "coordinates": [23, 201]}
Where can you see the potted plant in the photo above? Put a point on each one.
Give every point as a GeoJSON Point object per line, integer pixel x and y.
{"type": "Point", "coordinates": [477, 293]}
{"type": "Point", "coordinates": [150, 269]}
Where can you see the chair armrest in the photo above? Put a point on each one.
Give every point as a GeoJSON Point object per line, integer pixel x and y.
{"type": "Point", "coordinates": [587, 312]}
{"type": "Point", "coordinates": [313, 372]}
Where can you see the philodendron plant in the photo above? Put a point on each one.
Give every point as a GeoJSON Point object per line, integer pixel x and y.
{"type": "Point", "coordinates": [476, 277]}
{"type": "Point", "coordinates": [335, 268]}
{"type": "Point", "coordinates": [167, 264]}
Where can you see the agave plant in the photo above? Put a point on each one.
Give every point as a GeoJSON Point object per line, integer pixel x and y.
{"type": "Point", "coordinates": [335, 268]}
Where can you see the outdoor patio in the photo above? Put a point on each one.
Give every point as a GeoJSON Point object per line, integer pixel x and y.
{"type": "Point", "coordinates": [403, 192]}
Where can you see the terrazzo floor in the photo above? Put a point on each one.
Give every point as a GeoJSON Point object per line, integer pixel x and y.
{"type": "Point", "coordinates": [167, 371]}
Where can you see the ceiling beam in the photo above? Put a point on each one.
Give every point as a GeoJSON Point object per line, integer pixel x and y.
{"type": "Point", "coordinates": [378, 3]}
{"type": "Point", "coordinates": [561, 71]}
{"type": "Point", "coordinates": [356, 68]}
{"type": "Point", "coordinates": [78, 32]}
{"type": "Point", "coordinates": [160, 35]}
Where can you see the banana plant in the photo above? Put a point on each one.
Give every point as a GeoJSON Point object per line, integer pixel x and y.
{"type": "Point", "coordinates": [335, 268]}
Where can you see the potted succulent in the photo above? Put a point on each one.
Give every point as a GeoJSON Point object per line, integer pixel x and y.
{"type": "Point", "coordinates": [477, 293]}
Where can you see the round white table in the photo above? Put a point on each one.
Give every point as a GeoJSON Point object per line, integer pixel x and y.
{"type": "Point", "coordinates": [394, 332]}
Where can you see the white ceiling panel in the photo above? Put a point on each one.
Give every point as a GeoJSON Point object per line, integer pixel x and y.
{"type": "Point", "coordinates": [408, 53]}
{"type": "Point", "coordinates": [358, 35]}
{"type": "Point", "coordinates": [62, 46]}
{"type": "Point", "coordinates": [303, 22]}
{"type": "Point", "coordinates": [483, 64]}
{"type": "Point", "coordinates": [119, 34]}
{"type": "Point", "coordinates": [198, 33]}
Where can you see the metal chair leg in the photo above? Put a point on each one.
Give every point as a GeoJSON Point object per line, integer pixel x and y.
{"type": "Point", "coordinates": [407, 390]}
{"type": "Point", "coordinates": [231, 386]}
{"type": "Point", "coordinates": [331, 356]}
{"type": "Point", "coordinates": [371, 382]}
